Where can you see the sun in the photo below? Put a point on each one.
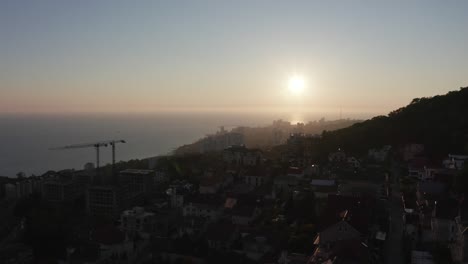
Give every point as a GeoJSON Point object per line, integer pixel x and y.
{"type": "Point", "coordinates": [296, 85]}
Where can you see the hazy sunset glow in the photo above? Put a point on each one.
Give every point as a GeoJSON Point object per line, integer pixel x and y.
{"type": "Point", "coordinates": [296, 84]}
{"type": "Point", "coordinates": [120, 56]}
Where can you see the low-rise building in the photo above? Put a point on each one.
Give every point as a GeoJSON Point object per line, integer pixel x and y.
{"type": "Point", "coordinates": [379, 155]}
{"type": "Point", "coordinates": [256, 177]}
{"type": "Point", "coordinates": [137, 220]}
{"type": "Point", "coordinates": [244, 215]}
{"type": "Point", "coordinates": [443, 220]}
{"type": "Point", "coordinates": [337, 156]}
{"type": "Point", "coordinates": [455, 161]}
{"type": "Point", "coordinates": [283, 185]}
{"type": "Point", "coordinates": [106, 200]}
{"type": "Point", "coordinates": [206, 206]}
{"type": "Point", "coordinates": [221, 236]}
{"type": "Point", "coordinates": [322, 188]}
{"type": "Point", "coordinates": [57, 190]}
{"type": "Point", "coordinates": [240, 155]}
{"type": "Point", "coordinates": [210, 185]}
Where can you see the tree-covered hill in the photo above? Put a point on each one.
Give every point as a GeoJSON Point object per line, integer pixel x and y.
{"type": "Point", "coordinates": [439, 122]}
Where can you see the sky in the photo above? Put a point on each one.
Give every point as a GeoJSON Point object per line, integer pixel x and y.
{"type": "Point", "coordinates": [143, 56]}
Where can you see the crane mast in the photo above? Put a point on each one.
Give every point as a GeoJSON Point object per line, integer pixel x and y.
{"type": "Point", "coordinates": [97, 146]}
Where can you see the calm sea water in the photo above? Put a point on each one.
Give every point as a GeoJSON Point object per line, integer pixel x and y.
{"type": "Point", "coordinates": [25, 140]}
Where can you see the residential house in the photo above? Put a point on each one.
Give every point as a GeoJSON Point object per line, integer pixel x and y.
{"type": "Point", "coordinates": [244, 215]}
{"type": "Point", "coordinates": [339, 242]}
{"type": "Point", "coordinates": [416, 168]}
{"type": "Point", "coordinates": [339, 231]}
{"type": "Point", "coordinates": [295, 172]}
{"type": "Point", "coordinates": [337, 156]}
{"type": "Point", "coordinates": [322, 188]}
{"type": "Point", "coordinates": [353, 162]}
{"type": "Point", "coordinates": [410, 151]}
{"type": "Point", "coordinates": [379, 155]}
{"type": "Point", "coordinates": [221, 236]}
{"type": "Point", "coordinates": [443, 220]}
{"type": "Point", "coordinates": [459, 248]}
{"type": "Point", "coordinates": [160, 176]}
{"type": "Point", "coordinates": [256, 177]}
{"type": "Point", "coordinates": [240, 155]}
{"type": "Point", "coordinates": [206, 206]}
{"type": "Point", "coordinates": [255, 246]}
{"type": "Point", "coordinates": [106, 200]}
{"type": "Point", "coordinates": [210, 185]}
{"type": "Point", "coordinates": [60, 190]}
{"type": "Point", "coordinates": [430, 191]}
{"type": "Point", "coordinates": [137, 220]}
{"type": "Point", "coordinates": [140, 182]}
{"type": "Point", "coordinates": [342, 251]}
{"type": "Point", "coordinates": [455, 161]}
{"type": "Point", "coordinates": [283, 185]}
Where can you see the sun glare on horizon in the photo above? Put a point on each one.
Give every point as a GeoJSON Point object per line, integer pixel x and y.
{"type": "Point", "coordinates": [296, 85]}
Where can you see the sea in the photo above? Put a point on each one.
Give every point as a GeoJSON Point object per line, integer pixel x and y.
{"type": "Point", "coordinates": [26, 140]}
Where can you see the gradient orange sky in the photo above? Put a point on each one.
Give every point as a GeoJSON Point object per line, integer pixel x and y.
{"type": "Point", "coordinates": [121, 56]}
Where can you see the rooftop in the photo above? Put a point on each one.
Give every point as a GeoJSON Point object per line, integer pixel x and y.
{"type": "Point", "coordinates": [136, 171]}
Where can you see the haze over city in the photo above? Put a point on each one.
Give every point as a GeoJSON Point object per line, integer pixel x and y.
{"type": "Point", "coordinates": [219, 131]}
{"type": "Point", "coordinates": [121, 56]}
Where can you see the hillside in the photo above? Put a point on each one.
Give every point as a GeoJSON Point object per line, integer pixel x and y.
{"type": "Point", "coordinates": [439, 122]}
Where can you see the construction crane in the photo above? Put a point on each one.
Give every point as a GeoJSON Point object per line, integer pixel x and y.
{"type": "Point", "coordinates": [113, 143]}
{"type": "Point", "coordinates": [97, 146]}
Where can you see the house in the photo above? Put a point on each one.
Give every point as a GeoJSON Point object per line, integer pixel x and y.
{"type": "Point", "coordinates": [416, 168]}
{"type": "Point", "coordinates": [282, 185]}
{"type": "Point", "coordinates": [139, 184]}
{"type": "Point", "coordinates": [339, 242]}
{"type": "Point", "coordinates": [430, 191]}
{"type": "Point", "coordinates": [177, 191]}
{"type": "Point", "coordinates": [256, 177]}
{"type": "Point", "coordinates": [60, 190]}
{"type": "Point", "coordinates": [355, 209]}
{"type": "Point", "coordinates": [160, 176]}
{"type": "Point", "coordinates": [206, 206]}
{"type": "Point", "coordinates": [138, 221]}
{"type": "Point", "coordinates": [244, 215]}
{"type": "Point", "coordinates": [209, 185]}
{"type": "Point", "coordinates": [322, 188]}
{"type": "Point", "coordinates": [221, 236]}
{"type": "Point", "coordinates": [421, 257]}
{"type": "Point", "coordinates": [339, 231]}
{"type": "Point", "coordinates": [240, 155]}
{"type": "Point", "coordinates": [455, 161]}
{"type": "Point", "coordinates": [353, 162]}
{"type": "Point", "coordinates": [411, 224]}
{"type": "Point", "coordinates": [312, 170]}
{"type": "Point", "coordinates": [191, 226]}
{"type": "Point", "coordinates": [342, 251]}
{"type": "Point", "coordinates": [255, 246]}
{"type": "Point", "coordinates": [23, 187]}
{"type": "Point", "coordinates": [459, 248]}
{"type": "Point", "coordinates": [106, 200]}
{"type": "Point", "coordinates": [443, 220]}
{"type": "Point", "coordinates": [409, 151]}
{"type": "Point", "coordinates": [295, 172]}
{"type": "Point", "coordinates": [379, 155]}
{"type": "Point", "coordinates": [337, 156]}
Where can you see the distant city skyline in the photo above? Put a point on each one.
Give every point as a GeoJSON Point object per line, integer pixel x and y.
{"type": "Point", "coordinates": [144, 56]}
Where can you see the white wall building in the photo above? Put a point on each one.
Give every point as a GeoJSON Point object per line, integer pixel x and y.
{"type": "Point", "coordinates": [137, 220]}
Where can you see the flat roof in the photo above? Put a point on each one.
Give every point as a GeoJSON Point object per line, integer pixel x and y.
{"type": "Point", "coordinates": [136, 171]}
{"type": "Point", "coordinates": [323, 182]}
